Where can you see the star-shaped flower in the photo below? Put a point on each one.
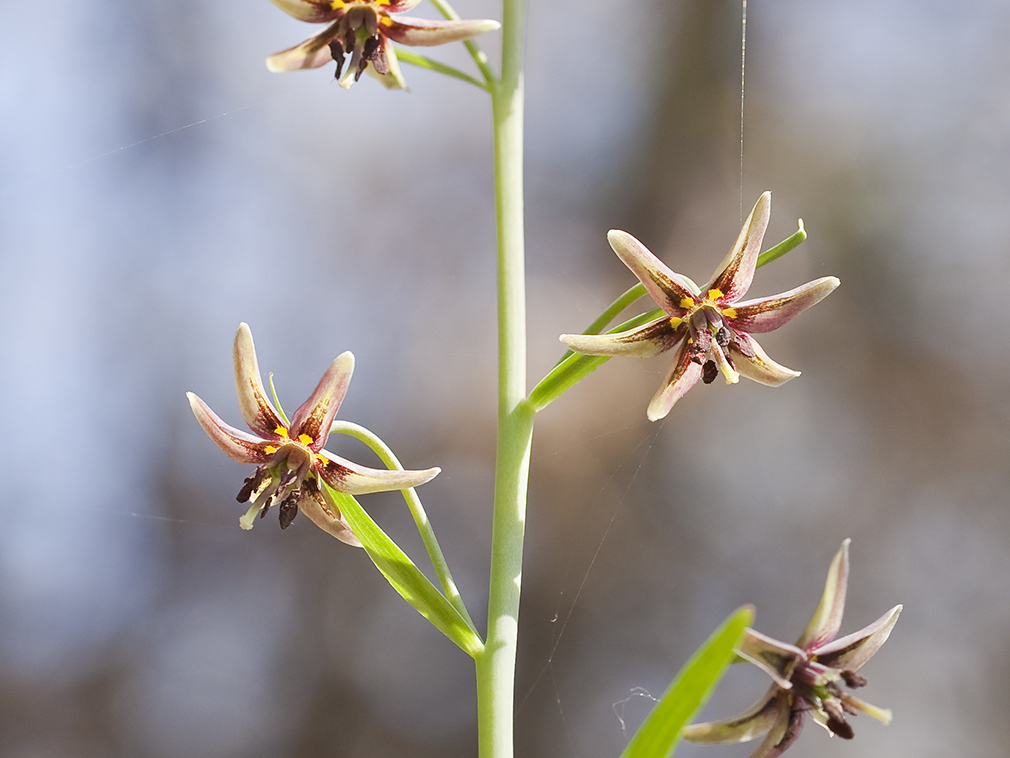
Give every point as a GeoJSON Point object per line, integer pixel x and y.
{"type": "Point", "coordinates": [366, 30]}
{"type": "Point", "coordinates": [810, 677]}
{"type": "Point", "coordinates": [710, 327]}
{"type": "Point", "coordinates": [290, 458]}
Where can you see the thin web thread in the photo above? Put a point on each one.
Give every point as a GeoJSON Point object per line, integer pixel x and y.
{"type": "Point", "coordinates": [743, 82]}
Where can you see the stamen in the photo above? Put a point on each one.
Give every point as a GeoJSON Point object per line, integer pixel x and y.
{"type": "Point", "coordinates": [709, 372]}
{"type": "Point", "coordinates": [289, 509]}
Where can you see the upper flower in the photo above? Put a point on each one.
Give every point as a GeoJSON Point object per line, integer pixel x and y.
{"type": "Point", "coordinates": [809, 676]}
{"type": "Point", "coordinates": [290, 457]}
{"type": "Point", "coordinates": [366, 30]}
{"type": "Point", "coordinates": [710, 327]}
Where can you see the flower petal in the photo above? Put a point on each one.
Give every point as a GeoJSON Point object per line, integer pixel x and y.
{"type": "Point", "coordinates": [253, 402]}
{"type": "Point", "coordinates": [422, 32]}
{"type": "Point", "coordinates": [769, 710]}
{"type": "Point", "coordinates": [851, 652]}
{"type": "Point", "coordinates": [736, 272]}
{"type": "Point", "coordinates": [753, 362]}
{"type": "Point", "coordinates": [683, 374]}
{"type": "Point", "coordinates": [828, 617]}
{"type": "Point", "coordinates": [782, 735]}
{"type": "Point", "coordinates": [325, 515]}
{"type": "Point", "coordinates": [353, 479]}
{"type": "Point", "coordinates": [312, 53]}
{"type": "Point", "coordinates": [315, 416]}
{"type": "Point", "coordinates": [664, 286]}
{"type": "Point", "coordinates": [237, 445]}
{"type": "Point", "coordinates": [769, 313]}
{"type": "Point", "coordinates": [313, 11]}
{"type": "Point", "coordinates": [777, 659]}
{"type": "Point", "coordinates": [644, 341]}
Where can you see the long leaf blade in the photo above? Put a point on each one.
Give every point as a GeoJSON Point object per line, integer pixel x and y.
{"type": "Point", "coordinates": [405, 577]}
{"type": "Point", "coordinates": [692, 687]}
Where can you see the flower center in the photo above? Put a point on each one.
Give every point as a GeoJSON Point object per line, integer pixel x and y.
{"type": "Point", "coordinates": [359, 35]}
{"type": "Point", "coordinates": [708, 334]}
{"type": "Point", "coordinates": [280, 480]}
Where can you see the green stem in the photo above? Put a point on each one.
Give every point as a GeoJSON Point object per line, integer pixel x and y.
{"type": "Point", "coordinates": [423, 61]}
{"type": "Point", "coordinates": [496, 663]}
{"type": "Point", "coordinates": [472, 47]}
{"type": "Point", "coordinates": [435, 555]}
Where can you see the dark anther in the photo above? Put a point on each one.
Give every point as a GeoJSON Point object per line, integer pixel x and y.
{"type": "Point", "coordinates": [337, 51]}
{"type": "Point", "coordinates": [853, 679]}
{"type": "Point", "coordinates": [367, 53]}
{"type": "Point", "coordinates": [723, 336]}
{"type": "Point", "coordinates": [379, 61]}
{"type": "Point", "coordinates": [288, 510]}
{"type": "Point", "coordinates": [709, 372]}
{"type": "Point", "coordinates": [836, 720]}
{"type": "Point", "coordinates": [252, 483]}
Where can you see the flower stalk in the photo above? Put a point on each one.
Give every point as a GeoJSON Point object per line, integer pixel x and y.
{"type": "Point", "coordinates": [496, 663]}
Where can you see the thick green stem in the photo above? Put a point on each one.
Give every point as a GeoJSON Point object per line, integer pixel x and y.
{"type": "Point", "coordinates": [496, 663]}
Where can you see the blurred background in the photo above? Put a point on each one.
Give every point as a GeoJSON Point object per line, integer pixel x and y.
{"type": "Point", "coordinates": [158, 186]}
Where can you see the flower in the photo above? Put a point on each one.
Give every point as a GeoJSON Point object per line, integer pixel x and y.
{"type": "Point", "coordinates": [709, 327]}
{"type": "Point", "coordinates": [809, 676]}
{"type": "Point", "coordinates": [290, 457]}
{"type": "Point", "coordinates": [366, 30]}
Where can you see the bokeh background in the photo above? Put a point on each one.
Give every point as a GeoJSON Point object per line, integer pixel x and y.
{"type": "Point", "coordinates": [158, 186]}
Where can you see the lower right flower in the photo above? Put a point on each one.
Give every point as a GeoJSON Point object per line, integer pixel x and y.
{"type": "Point", "coordinates": [810, 677]}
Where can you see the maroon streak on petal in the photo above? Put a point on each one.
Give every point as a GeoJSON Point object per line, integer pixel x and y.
{"type": "Point", "coordinates": [733, 278]}
{"type": "Point", "coordinates": [253, 402]}
{"type": "Point", "coordinates": [315, 416]}
{"type": "Point", "coordinates": [682, 375]}
{"type": "Point", "coordinates": [663, 285]}
{"type": "Point", "coordinates": [769, 313]}
{"type": "Point", "coordinates": [644, 341]}
{"type": "Point", "coordinates": [422, 32]}
{"type": "Point", "coordinates": [353, 479]}
{"type": "Point", "coordinates": [313, 11]}
{"type": "Point", "coordinates": [236, 444]}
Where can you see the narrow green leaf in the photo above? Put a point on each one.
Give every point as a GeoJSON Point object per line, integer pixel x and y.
{"type": "Point", "coordinates": [423, 61]}
{"type": "Point", "coordinates": [404, 576]}
{"type": "Point", "coordinates": [689, 691]}
{"type": "Point", "coordinates": [784, 246]}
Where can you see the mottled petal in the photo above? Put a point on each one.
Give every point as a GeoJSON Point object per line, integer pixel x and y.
{"type": "Point", "coordinates": [851, 652]}
{"type": "Point", "coordinates": [315, 416]}
{"type": "Point", "coordinates": [312, 53]}
{"type": "Point", "coordinates": [643, 342]}
{"type": "Point", "coordinates": [399, 6]}
{"type": "Point", "coordinates": [773, 708]}
{"type": "Point", "coordinates": [327, 517]}
{"type": "Point", "coordinates": [777, 659]}
{"type": "Point", "coordinates": [353, 479]}
{"type": "Point", "coordinates": [422, 32]}
{"type": "Point", "coordinates": [828, 617]}
{"type": "Point", "coordinates": [770, 313]}
{"type": "Point", "coordinates": [736, 272]}
{"type": "Point", "coordinates": [313, 11]}
{"type": "Point", "coordinates": [664, 286]}
{"type": "Point", "coordinates": [236, 444]}
{"type": "Point", "coordinates": [253, 402]}
{"type": "Point", "coordinates": [684, 373]}
{"type": "Point", "coordinates": [782, 735]}
{"type": "Point", "coordinates": [755, 363]}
